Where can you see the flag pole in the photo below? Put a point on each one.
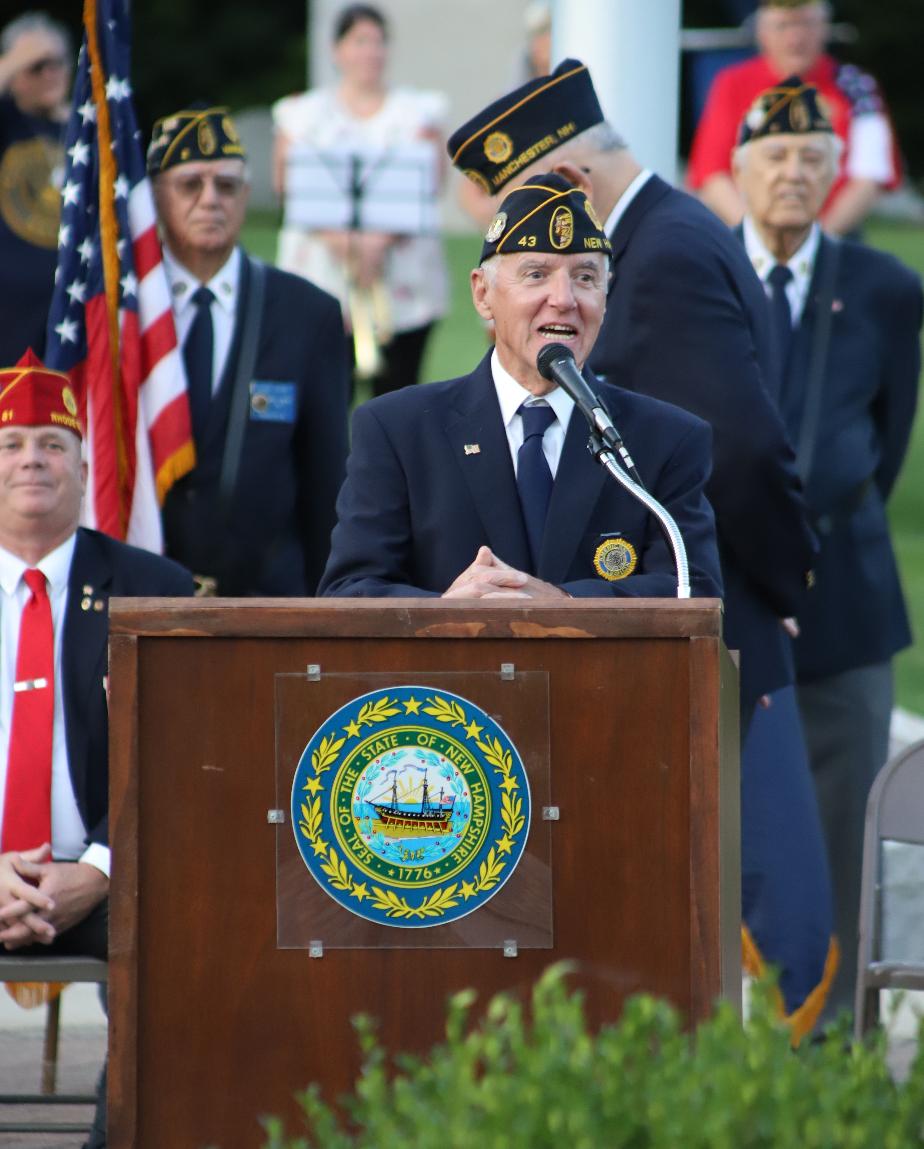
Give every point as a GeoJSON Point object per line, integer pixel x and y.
{"type": "Point", "coordinates": [109, 233]}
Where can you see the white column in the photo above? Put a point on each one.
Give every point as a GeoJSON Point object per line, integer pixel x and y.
{"type": "Point", "coordinates": [632, 48]}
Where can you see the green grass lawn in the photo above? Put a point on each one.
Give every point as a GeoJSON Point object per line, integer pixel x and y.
{"type": "Point", "coordinates": [906, 510]}
{"type": "Point", "coordinates": [459, 341]}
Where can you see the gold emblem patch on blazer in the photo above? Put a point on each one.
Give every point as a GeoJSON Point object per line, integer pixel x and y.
{"type": "Point", "coordinates": [615, 559]}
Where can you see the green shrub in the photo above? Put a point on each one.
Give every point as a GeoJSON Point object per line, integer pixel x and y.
{"type": "Point", "coordinates": [518, 1082]}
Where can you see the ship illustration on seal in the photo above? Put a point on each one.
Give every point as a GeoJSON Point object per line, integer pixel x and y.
{"type": "Point", "coordinates": [413, 816]}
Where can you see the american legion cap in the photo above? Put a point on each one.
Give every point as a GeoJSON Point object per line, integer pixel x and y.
{"type": "Point", "coordinates": [547, 214]}
{"type": "Point", "coordinates": [790, 107]}
{"type": "Point", "coordinates": [191, 135]}
{"type": "Point", "coordinates": [524, 125]}
{"type": "Point", "coordinates": [32, 395]}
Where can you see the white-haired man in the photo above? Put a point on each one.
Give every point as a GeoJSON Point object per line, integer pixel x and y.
{"type": "Point", "coordinates": [791, 38]}
{"type": "Point", "coordinates": [847, 320]}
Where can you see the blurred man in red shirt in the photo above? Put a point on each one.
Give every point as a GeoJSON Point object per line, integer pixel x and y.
{"type": "Point", "coordinates": [791, 35]}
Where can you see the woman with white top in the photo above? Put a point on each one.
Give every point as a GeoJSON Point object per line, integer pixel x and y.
{"type": "Point", "coordinates": [397, 284]}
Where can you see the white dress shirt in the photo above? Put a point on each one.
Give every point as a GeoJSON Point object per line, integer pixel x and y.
{"type": "Point", "coordinates": [68, 833]}
{"type": "Point", "coordinates": [625, 199]}
{"type": "Point", "coordinates": [802, 265]}
{"type": "Point", "coordinates": [224, 285]}
{"type": "Point", "coordinates": [511, 395]}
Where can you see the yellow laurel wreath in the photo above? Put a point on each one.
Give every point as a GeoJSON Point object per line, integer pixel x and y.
{"type": "Point", "coordinates": [444, 898]}
{"type": "Point", "coordinates": [373, 712]}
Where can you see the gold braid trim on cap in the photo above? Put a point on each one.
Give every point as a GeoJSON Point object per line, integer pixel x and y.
{"type": "Point", "coordinates": [20, 373]}
{"type": "Point", "coordinates": [503, 116]}
{"type": "Point", "coordinates": [196, 115]}
{"type": "Point", "coordinates": [554, 196]}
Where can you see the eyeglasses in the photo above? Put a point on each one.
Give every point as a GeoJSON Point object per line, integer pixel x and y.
{"type": "Point", "coordinates": [191, 187]}
{"type": "Point", "coordinates": [46, 64]}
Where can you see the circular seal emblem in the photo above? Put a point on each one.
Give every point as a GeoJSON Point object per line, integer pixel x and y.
{"type": "Point", "coordinates": [227, 126]}
{"type": "Point", "coordinates": [498, 146]}
{"type": "Point", "coordinates": [799, 116]}
{"type": "Point", "coordinates": [592, 214]}
{"type": "Point", "coordinates": [30, 190]}
{"type": "Point", "coordinates": [561, 228]}
{"type": "Point", "coordinates": [410, 806]}
{"type": "Point", "coordinates": [478, 180]}
{"type": "Point", "coordinates": [615, 559]}
{"type": "Point", "coordinates": [205, 137]}
{"type": "Point", "coordinates": [259, 403]}
{"type": "Point", "coordinates": [70, 403]}
{"type": "Point", "coordinates": [496, 230]}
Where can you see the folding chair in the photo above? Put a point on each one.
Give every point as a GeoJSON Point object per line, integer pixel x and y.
{"type": "Point", "coordinates": [50, 969]}
{"type": "Point", "coordinates": [891, 948]}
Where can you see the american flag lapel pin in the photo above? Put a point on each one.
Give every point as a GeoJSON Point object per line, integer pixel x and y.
{"type": "Point", "coordinates": [472, 449]}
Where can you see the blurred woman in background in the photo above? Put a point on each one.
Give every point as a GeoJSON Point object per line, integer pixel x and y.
{"type": "Point", "coordinates": [396, 285]}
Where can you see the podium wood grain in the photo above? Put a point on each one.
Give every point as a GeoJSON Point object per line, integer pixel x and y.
{"type": "Point", "coordinates": [210, 1024]}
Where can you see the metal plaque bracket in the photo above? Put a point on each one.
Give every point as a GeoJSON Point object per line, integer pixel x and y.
{"type": "Point", "coordinates": [508, 672]}
{"type": "Point", "coordinates": [510, 948]}
{"type": "Point", "coordinates": [313, 671]}
{"type": "Point", "coordinates": [276, 817]}
{"type": "Point", "coordinates": [316, 949]}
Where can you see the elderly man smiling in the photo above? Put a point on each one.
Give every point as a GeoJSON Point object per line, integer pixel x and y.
{"type": "Point", "coordinates": [482, 485]}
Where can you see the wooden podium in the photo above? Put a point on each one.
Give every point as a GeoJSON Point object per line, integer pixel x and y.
{"type": "Point", "coordinates": [212, 1023]}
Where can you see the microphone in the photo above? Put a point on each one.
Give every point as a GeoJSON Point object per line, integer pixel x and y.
{"type": "Point", "coordinates": [556, 363]}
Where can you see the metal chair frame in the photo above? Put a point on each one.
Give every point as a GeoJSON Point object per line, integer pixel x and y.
{"type": "Point", "coordinates": [894, 812]}
{"type": "Point", "coordinates": [50, 969]}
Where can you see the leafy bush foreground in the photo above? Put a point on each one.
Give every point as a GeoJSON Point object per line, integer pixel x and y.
{"type": "Point", "coordinates": [530, 1079]}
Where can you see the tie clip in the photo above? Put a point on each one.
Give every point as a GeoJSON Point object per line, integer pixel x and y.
{"type": "Point", "coordinates": [30, 684]}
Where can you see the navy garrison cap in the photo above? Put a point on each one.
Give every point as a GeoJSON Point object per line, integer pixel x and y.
{"type": "Point", "coordinates": [791, 107]}
{"type": "Point", "coordinates": [522, 126]}
{"type": "Point", "coordinates": [193, 134]}
{"type": "Point", "coordinates": [547, 214]}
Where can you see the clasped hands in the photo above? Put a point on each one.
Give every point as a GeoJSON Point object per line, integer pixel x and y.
{"type": "Point", "coordinates": [40, 898]}
{"type": "Point", "coordinates": [490, 577]}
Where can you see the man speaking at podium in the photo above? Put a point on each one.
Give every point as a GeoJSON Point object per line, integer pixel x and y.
{"type": "Point", "coordinates": [483, 486]}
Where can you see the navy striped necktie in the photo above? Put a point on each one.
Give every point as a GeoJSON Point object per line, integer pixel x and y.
{"type": "Point", "coordinates": [534, 478]}
{"type": "Point", "coordinates": [198, 354]}
{"type": "Point", "coordinates": [779, 277]}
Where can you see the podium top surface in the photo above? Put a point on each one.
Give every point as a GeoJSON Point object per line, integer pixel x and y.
{"type": "Point", "coordinates": [413, 618]}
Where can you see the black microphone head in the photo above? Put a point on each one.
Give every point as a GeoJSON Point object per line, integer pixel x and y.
{"type": "Point", "coordinates": [552, 353]}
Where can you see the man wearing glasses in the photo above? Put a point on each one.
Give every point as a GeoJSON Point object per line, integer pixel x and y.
{"type": "Point", "coordinates": [266, 365]}
{"type": "Point", "coordinates": [35, 78]}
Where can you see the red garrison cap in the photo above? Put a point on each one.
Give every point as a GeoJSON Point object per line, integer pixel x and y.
{"type": "Point", "coordinates": [32, 395]}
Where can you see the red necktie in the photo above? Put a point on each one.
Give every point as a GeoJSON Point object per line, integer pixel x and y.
{"type": "Point", "coordinates": [27, 805]}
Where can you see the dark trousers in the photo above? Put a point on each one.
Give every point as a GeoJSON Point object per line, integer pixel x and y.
{"type": "Point", "coordinates": [846, 721]}
{"type": "Point", "coordinates": [401, 360]}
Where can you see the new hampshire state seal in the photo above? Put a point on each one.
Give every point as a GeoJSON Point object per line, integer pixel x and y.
{"type": "Point", "coordinates": [410, 806]}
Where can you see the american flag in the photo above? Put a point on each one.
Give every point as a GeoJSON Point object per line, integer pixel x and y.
{"type": "Point", "coordinates": [110, 324]}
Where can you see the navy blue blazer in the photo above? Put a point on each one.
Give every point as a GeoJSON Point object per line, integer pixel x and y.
{"type": "Point", "coordinates": [856, 615]}
{"type": "Point", "coordinates": [276, 538]}
{"type": "Point", "coordinates": [416, 506]}
{"type": "Point", "coordinates": [107, 568]}
{"type": "Point", "coordinates": [687, 321]}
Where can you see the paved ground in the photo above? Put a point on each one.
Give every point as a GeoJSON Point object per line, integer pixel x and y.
{"type": "Point", "coordinates": [82, 1047]}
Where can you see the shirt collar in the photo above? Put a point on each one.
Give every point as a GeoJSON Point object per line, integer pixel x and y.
{"type": "Point", "coordinates": [800, 264]}
{"type": "Point", "coordinates": [223, 284]}
{"type": "Point", "coordinates": [511, 395]}
{"type": "Point", "coordinates": [625, 199]}
{"type": "Point", "coordinates": [55, 566]}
